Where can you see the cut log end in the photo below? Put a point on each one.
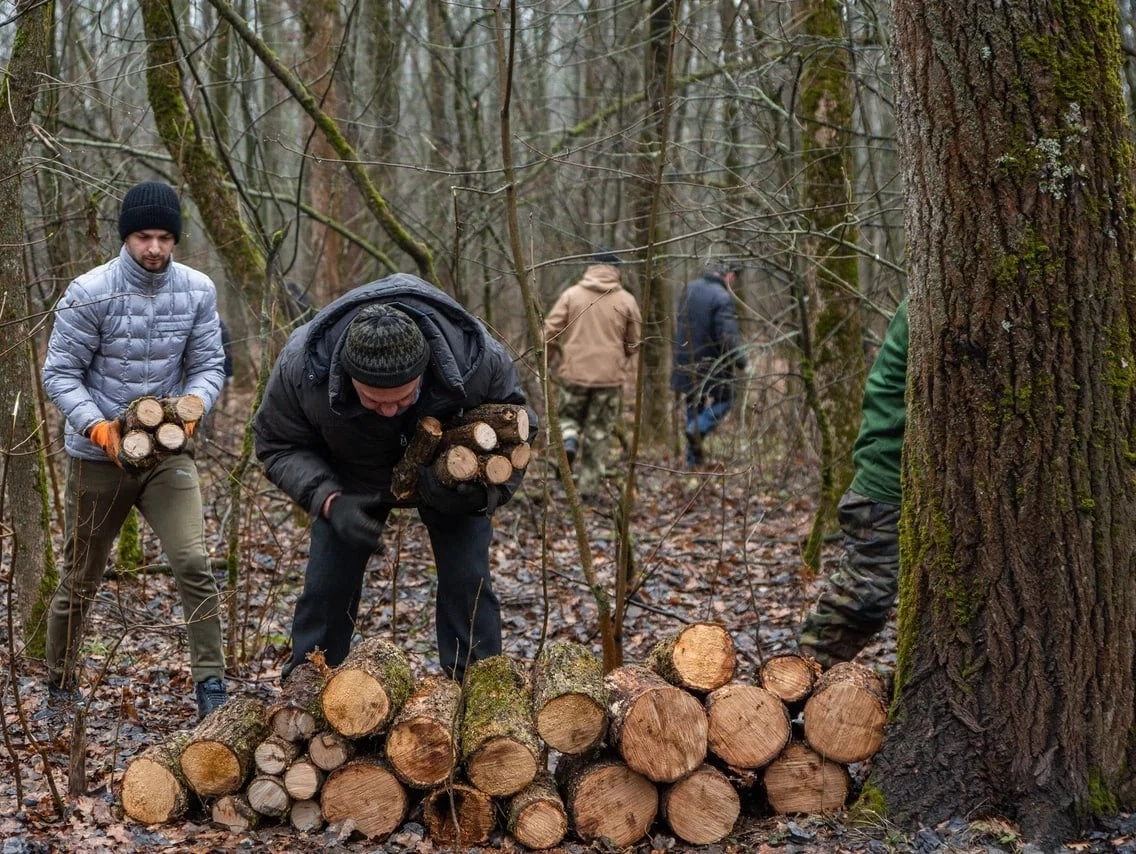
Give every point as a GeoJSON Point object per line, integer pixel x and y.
{"type": "Point", "coordinates": [572, 723]}
{"type": "Point", "coordinates": [502, 767]}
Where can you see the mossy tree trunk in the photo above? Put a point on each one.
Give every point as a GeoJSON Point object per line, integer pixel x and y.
{"type": "Point", "coordinates": [24, 498]}
{"type": "Point", "coordinates": [834, 352]}
{"type": "Point", "coordinates": [1018, 595]}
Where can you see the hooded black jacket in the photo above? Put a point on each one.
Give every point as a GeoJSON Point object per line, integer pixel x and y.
{"type": "Point", "coordinates": [707, 343]}
{"type": "Point", "coordinates": [315, 438]}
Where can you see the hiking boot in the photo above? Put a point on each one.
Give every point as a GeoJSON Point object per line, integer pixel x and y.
{"type": "Point", "coordinates": [61, 700]}
{"type": "Point", "coordinates": [210, 694]}
{"type": "Point", "coordinates": [571, 448]}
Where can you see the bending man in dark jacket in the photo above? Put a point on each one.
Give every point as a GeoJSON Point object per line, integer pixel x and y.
{"type": "Point", "coordinates": [340, 406]}
{"type": "Point", "coordinates": [707, 348]}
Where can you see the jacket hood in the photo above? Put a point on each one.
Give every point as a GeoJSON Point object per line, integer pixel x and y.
{"type": "Point", "coordinates": [444, 323]}
{"type": "Point", "coordinates": [601, 278]}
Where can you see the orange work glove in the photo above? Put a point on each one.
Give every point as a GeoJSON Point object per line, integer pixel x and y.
{"type": "Point", "coordinates": [108, 436]}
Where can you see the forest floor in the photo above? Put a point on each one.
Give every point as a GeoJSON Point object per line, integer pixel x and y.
{"type": "Point", "coordinates": [720, 543]}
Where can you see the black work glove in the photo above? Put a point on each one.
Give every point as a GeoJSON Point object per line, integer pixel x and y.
{"type": "Point", "coordinates": [469, 498]}
{"type": "Point", "coordinates": [350, 518]}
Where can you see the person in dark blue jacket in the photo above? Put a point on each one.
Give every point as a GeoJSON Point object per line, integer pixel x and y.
{"type": "Point", "coordinates": [339, 409]}
{"type": "Point", "coordinates": [707, 351]}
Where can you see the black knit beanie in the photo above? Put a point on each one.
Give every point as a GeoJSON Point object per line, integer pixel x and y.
{"type": "Point", "coordinates": [384, 348]}
{"type": "Point", "coordinates": [150, 205]}
{"type": "Point", "coordinates": [606, 255]}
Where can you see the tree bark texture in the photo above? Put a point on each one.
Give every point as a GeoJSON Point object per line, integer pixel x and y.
{"type": "Point", "coordinates": [500, 747]}
{"type": "Point", "coordinates": [219, 756]}
{"type": "Point", "coordinates": [1018, 598]}
{"type": "Point", "coordinates": [365, 692]}
{"type": "Point", "coordinates": [569, 699]}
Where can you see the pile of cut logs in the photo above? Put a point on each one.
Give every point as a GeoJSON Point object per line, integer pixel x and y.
{"type": "Point", "coordinates": [154, 428]}
{"type": "Point", "coordinates": [676, 738]}
{"type": "Point", "coordinates": [486, 443]}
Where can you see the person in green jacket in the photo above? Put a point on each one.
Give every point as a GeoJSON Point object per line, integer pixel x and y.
{"type": "Point", "coordinates": [858, 597]}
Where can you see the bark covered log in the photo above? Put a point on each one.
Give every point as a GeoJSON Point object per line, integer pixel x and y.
{"type": "Point", "coordinates": [510, 421]}
{"type": "Point", "coordinates": [606, 799]}
{"type": "Point", "coordinates": [328, 750]}
{"type": "Point", "coordinates": [478, 436]}
{"type": "Point", "coordinates": [297, 715]}
{"type": "Point", "coordinates": [219, 756]}
{"type": "Point", "coordinates": [143, 413]}
{"type": "Point", "coordinates": [422, 745]}
{"type": "Point", "coordinates": [458, 815]}
{"type": "Point", "coordinates": [154, 789]}
{"type": "Point", "coordinates": [365, 692]}
{"type": "Point", "coordinates": [275, 754]}
{"type": "Point", "coordinates": [235, 813]}
{"type": "Point", "coordinates": [800, 780]}
{"type": "Point", "coordinates": [267, 795]}
{"type": "Point", "coordinates": [845, 716]}
{"type": "Point", "coordinates": [748, 726]}
{"type": "Point", "coordinates": [494, 469]}
{"type": "Point", "coordinates": [365, 791]}
{"type": "Point", "coordinates": [536, 816]}
{"type": "Point", "coordinates": [569, 699]}
{"type": "Point", "coordinates": [519, 454]}
{"type": "Point", "coordinates": [500, 747]}
{"type": "Point", "coordinates": [790, 676]}
{"type": "Point", "coordinates": [136, 453]}
{"type": "Point", "coordinates": [700, 657]}
{"type": "Point", "coordinates": [659, 730]}
{"type": "Point", "coordinates": [702, 807]}
{"type": "Point", "coordinates": [455, 464]}
{"type": "Point", "coordinates": [419, 451]}
{"type": "Point", "coordinates": [170, 438]}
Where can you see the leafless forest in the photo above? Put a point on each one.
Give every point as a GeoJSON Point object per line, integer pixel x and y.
{"type": "Point", "coordinates": [489, 148]}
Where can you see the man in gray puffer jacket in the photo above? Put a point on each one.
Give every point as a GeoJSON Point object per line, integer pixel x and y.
{"type": "Point", "coordinates": [340, 406]}
{"type": "Point", "coordinates": [140, 325]}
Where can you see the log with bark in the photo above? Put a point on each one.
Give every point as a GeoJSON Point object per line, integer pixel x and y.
{"type": "Point", "coordinates": [170, 438]}
{"type": "Point", "coordinates": [494, 469]}
{"type": "Point", "coordinates": [422, 744]}
{"type": "Point", "coordinates": [500, 748]}
{"type": "Point", "coordinates": [363, 694]}
{"type": "Point", "coordinates": [702, 807]}
{"type": "Point", "coordinates": [455, 464]}
{"type": "Point", "coordinates": [143, 413]}
{"type": "Point", "coordinates": [182, 410]}
{"type": "Point", "coordinates": [419, 451]}
{"type": "Point", "coordinates": [328, 750]}
{"type": "Point", "coordinates": [274, 755]}
{"type": "Point", "coordinates": [267, 795]}
{"type": "Point", "coordinates": [306, 816]}
{"type": "Point", "coordinates": [510, 421]}
{"type": "Point", "coordinates": [365, 791]}
{"type": "Point", "coordinates": [153, 429]}
{"type": "Point", "coordinates": [218, 758]}
{"type": "Point", "coordinates": [297, 714]}
{"type": "Point", "coordinates": [844, 717]}
{"type": "Point", "coordinates": [478, 436]}
{"type": "Point", "coordinates": [606, 799]}
{"type": "Point", "coordinates": [800, 780]}
{"type": "Point", "coordinates": [660, 730]}
{"type": "Point", "coordinates": [303, 779]}
{"type": "Point", "coordinates": [790, 676]}
{"type": "Point", "coordinates": [235, 813]}
{"type": "Point", "coordinates": [458, 815]}
{"type": "Point", "coordinates": [519, 454]}
{"type": "Point", "coordinates": [700, 657]}
{"type": "Point", "coordinates": [536, 816]}
{"type": "Point", "coordinates": [569, 700]}
{"type": "Point", "coordinates": [748, 726]}
{"type": "Point", "coordinates": [136, 453]}
{"type": "Point", "coordinates": [154, 789]}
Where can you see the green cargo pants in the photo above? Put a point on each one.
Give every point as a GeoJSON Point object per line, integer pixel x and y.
{"type": "Point", "coordinates": [99, 496]}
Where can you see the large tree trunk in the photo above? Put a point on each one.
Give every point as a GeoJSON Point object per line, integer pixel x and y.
{"type": "Point", "coordinates": [1018, 597]}
{"type": "Point", "coordinates": [25, 501]}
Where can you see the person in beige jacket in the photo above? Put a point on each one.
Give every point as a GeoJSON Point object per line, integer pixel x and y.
{"type": "Point", "coordinates": [591, 336]}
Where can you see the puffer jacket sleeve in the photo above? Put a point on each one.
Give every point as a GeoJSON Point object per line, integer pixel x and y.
{"type": "Point", "coordinates": [287, 443]}
{"type": "Point", "coordinates": [204, 354]}
{"type": "Point", "coordinates": [70, 349]}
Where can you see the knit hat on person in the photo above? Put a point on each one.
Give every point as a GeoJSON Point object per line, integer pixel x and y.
{"type": "Point", "coordinates": [606, 256]}
{"type": "Point", "coordinates": [150, 205]}
{"type": "Point", "coordinates": [384, 348]}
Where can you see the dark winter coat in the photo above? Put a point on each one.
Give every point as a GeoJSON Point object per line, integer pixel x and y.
{"type": "Point", "coordinates": [707, 343]}
{"type": "Point", "coordinates": [311, 432]}
{"type": "Point", "coordinates": [878, 448]}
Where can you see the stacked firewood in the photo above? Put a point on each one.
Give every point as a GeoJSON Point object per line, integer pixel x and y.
{"type": "Point", "coordinates": [154, 428]}
{"type": "Point", "coordinates": [487, 443]}
{"type": "Point", "coordinates": [676, 738]}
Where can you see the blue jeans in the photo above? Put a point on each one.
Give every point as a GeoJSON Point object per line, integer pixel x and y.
{"type": "Point", "coordinates": [701, 420]}
{"type": "Point", "coordinates": [467, 614]}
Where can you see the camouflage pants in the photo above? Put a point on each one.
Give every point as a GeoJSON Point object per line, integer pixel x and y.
{"type": "Point", "coordinates": [858, 597]}
{"type": "Point", "coordinates": [589, 416]}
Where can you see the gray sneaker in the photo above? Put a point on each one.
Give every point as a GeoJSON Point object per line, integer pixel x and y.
{"type": "Point", "coordinates": [210, 695]}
